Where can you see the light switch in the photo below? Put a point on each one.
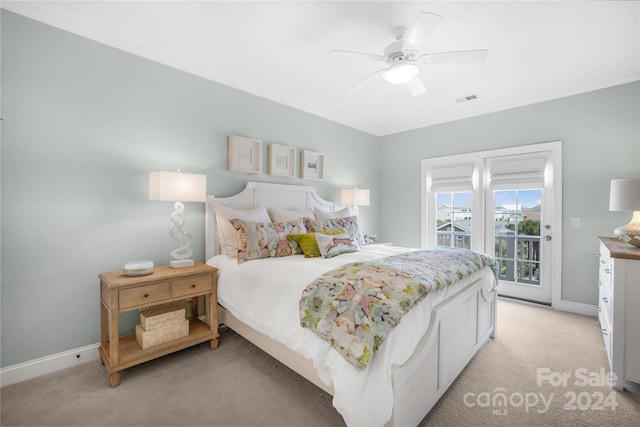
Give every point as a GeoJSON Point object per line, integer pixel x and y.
{"type": "Point", "coordinates": [575, 222]}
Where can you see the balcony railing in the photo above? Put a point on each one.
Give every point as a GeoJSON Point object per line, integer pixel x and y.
{"type": "Point", "coordinates": [518, 257]}
{"type": "Point", "coordinates": [454, 240]}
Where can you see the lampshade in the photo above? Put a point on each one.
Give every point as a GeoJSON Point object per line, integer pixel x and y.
{"type": "Point", "coordinates": [177, 186]}
{"type": "Point", "coordinates": [625, 195]}
{"type": "Point", "coordinates": [355, 197]}
{"type": "Point", "coordinates": [400, 73]}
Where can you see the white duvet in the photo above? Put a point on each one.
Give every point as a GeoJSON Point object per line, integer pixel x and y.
{"type": "Point", "coordinates": [265, 293]}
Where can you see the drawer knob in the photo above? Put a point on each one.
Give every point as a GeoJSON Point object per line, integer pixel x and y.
{"type": "Point", "coordinates": [193, 285]}
{"type": "Point", "coordinates": [146, 295]}
{"type": "Point", "coordinates": [599, 308]}
{"type": "Point", "coordinates": [605, 299]}
{"type": "Point", "coordinates": [604, 331]}
{"type": "Point", "coordinates": [608, 271]}
{"type": "Point", "coordinates": [599, 283]}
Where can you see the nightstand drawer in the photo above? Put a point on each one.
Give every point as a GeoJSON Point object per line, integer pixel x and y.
{"type": "Point", "coordinates": [144, 295]}
{"type": "Point", "coordinates": [191, 285]}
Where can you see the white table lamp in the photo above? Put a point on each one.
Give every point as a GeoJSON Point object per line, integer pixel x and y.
{"type": "Point", "coordinates": [625, 196]}
{"type": "Point", "coordinates": [178, 187]}
{"type": "Point", "coordinates": [355, 197]}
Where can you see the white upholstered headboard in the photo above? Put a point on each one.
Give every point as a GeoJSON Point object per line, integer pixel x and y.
{"type": "Point", "coordinates": [281, 196]}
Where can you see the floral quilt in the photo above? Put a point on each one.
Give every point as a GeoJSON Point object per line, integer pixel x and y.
{"type": "Point", "coordinates": [355, 306]}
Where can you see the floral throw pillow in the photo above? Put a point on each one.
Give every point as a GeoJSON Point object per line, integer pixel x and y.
{"type": "Point", "coordinates": [267, 240]}
{"type": "Point", "coordinates": [335, 245]}
{"type": "Point", "coordinates": [227, 235]}
{"type": "Point", "coordinates": [349, 223]}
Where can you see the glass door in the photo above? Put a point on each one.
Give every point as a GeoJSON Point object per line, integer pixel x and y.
{"type": "Point", "coordinates": [520, 203]}
{"type": "Point", "coordinates": [506, 203]}
{"type": "Point", "coordinates": [517, 236]}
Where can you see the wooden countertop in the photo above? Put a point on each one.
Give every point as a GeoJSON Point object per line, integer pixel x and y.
{"type": "Point", "coordinates": [620, 249]}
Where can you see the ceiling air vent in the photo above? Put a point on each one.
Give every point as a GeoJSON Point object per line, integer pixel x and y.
{"type": "Point", "coordinates": [467, 98]}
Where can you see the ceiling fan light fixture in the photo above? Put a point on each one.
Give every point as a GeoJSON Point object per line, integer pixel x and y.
{"type": "Point", "coordinates": [400, 73]}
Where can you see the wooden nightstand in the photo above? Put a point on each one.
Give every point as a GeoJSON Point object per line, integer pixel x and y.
{"type": "Point", "coordinates": [120, 293]}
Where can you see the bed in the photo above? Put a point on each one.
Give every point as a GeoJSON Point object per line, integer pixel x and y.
{"type": "Point", "coordinates": [421, 356]}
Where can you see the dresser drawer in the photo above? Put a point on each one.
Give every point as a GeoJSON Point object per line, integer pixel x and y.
{"type": "Point", "coordinates": [607, 333]}
{"type": "Point", "coordinates": [144, 295]}
{"type": "Point", "coordinates": [606, 301]}
{"type": "Point", "coordinates": [191, 285]}
{"type": "Point", "coordinates": [605, 271]}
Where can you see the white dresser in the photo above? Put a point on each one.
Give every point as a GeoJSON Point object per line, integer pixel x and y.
{"type": "Point", "coordinates": [619, 307]}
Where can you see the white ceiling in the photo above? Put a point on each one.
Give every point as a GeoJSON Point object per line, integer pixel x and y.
{"type": "Point", "coordinates": [279, 50]}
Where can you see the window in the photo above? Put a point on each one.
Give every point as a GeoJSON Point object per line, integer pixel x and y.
{"type": "Point", "coordinates": [453, 219]}
{"type": "Point", "coordinates": [451, 205]}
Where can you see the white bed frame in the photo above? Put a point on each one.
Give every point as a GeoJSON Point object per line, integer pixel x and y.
{"type": "Point", "coordinates": [459, 325]}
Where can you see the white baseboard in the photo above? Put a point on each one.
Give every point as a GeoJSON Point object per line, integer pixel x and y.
{"type": "Point", "coordinates": [67, 359]}
{"type": "Point", "coordinates": [48, 364]}
{"type": "Point", "coordinates": [577, 307]}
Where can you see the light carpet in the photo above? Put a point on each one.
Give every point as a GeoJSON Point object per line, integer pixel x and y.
{"type": "Point", "coordinates": [543, 369]}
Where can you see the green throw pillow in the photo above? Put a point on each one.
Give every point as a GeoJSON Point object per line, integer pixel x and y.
{"type": "Point", "coordinates": [308, 242]}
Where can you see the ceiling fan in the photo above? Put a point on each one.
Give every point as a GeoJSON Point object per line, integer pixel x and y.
{"type": "Point", "coordinates": [403, 57]}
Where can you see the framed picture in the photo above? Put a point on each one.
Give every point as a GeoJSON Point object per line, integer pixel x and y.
{"type": "Point", "coordinates": [244, 154]}
{"type": "Point", "coordinates": [282, 160]}
{"type": "Point", "coordinates": [311, 165]}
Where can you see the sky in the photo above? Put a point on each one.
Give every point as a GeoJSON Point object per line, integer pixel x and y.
{"type": "Point", "coordinates": [521, 198]}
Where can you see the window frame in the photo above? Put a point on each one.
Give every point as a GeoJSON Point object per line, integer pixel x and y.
{"type": "Point", "coordinates": [429, 211]}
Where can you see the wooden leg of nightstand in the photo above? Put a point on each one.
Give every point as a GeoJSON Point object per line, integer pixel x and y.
{"type": "Point", "coordinates": [104, 329]}
{"type": "Point", "coordinates": [194, 307]}
{"type": "Point", "coordinates": [115, 379]}
{"type": "Point", "coordinates": [212, 307]}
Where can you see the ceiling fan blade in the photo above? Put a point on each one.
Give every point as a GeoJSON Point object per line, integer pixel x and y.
{"type": "Point", "coordinates": [425, 23]}
{"type": "Point", "coordinates": [460, 57]}
{"type": "Point", "coordinates": [364, 82]}
{"type": "Point", "coordinates": [370, 55]}
{"type": "Point", "coordinates": [416, 87]}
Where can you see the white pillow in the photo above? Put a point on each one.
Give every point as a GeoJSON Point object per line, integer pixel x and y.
{"type": "Point", "coordinates": [335, 245]}
{"type": "Point", "coordinates": [286, 215]}
{"type": "Point", "coordinates": [342, 213]}
{"type": "Point", "coordinates": [227, 235]}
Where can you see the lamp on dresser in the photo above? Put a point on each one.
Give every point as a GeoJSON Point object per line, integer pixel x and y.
{"type": "Point", "coordinates": [625, 196]}
{"type": "Point", "coordinates": [178, 187]}
{"type": "Point", "coordinates": [355, 197]}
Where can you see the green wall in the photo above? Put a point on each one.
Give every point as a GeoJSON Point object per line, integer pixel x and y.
{"type": "Point", "coordinates": [84, 125]}
{"type": "Point", "coordinates": [600, 134]}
